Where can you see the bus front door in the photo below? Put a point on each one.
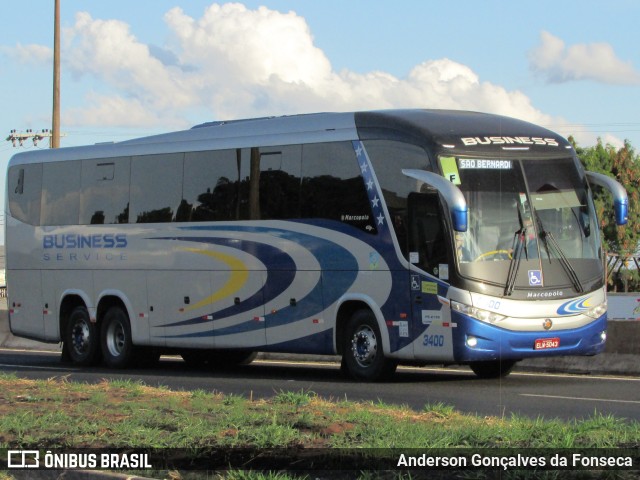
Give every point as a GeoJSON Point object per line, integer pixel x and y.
{"type": "Point", "coordinates": [429, 253]}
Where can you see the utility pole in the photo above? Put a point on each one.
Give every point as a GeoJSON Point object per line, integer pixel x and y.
{"type": "Point", "coordinates": [18, 138]}
{"type": "Point", "coordinates": [55, 127]}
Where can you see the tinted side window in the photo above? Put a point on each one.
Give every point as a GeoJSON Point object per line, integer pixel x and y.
{"type": "Point", "coordinates": [60, 193]}
{"type": "Point", "coordinates": [332, 186]}
{"type": "Point", "coordinates": [427, 233]}
{"type": "Point", "coordinates": [156, 188]}
{"type": "Point", "coordinates": [389, 158]}
{"type": "Point", "coordinates": [105, 191]}
{"type": "Point", "coordinates": [25, 189]}
{"type": "Point", "coordinates": [280, 182]}
{"type": "Point", "coordinates": [241, 184]}
{"type": "Point", "coordinates": [211, 186]}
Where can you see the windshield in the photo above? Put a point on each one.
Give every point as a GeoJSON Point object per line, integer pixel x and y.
{"type": "Point", "coordinates": [531, 223]}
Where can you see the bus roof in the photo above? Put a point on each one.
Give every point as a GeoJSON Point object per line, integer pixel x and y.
{"type": "Point", "coordinates": [426, 127]}
{"type": "Point", "coordinates": [460, 131]}
{"type": "Point", "coordinates": [268, 131]}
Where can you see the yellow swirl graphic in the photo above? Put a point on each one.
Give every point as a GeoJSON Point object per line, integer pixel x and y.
{"type": "Point", "coordinates": [238, 275]}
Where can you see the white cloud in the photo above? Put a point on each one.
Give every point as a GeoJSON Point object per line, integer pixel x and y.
{"type": "Point", "coordinates": [29, 53]}
{"type": "Point", "coordinates": [116, 111]}
{"type": "Point", "coordinates": [107, 50]}
{"type": "Point", "coordinates": [609, 139]}
{"type": "Point", "coordinates": [235, 62]}
{"type": "Point", "coordinates": [594, 61]}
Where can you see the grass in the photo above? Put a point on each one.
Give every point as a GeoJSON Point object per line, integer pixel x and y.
{"type": "Point", "coordinates": [59, 414]}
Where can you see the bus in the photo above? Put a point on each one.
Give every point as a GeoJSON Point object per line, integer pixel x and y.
{"type": "Point", "coordinates": [386, 237]}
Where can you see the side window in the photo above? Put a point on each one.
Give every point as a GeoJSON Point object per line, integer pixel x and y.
{"type": "Point", "coordinates": [60, 193]}
{"type": "Point", "coordinates": [105, 191]}
{"type": "Point", "coordinates": [270, 186]}
{"type": "Point", "coordinates": [211, 189]}
{"type": "Point", "coordinates": [332, 186]}
{"type": "Point", "coordinates": [426, 231]}
{"type": "Point", "coordinates": [24, 186]}
{"type": "Point", "coordinates": [280, 182]}
{"type": "Point", "coordinates": [242, 184]}
{"type": "Point", "coordinates": [389, 158]}
{"type": "Point", "coordinates": [156, 188]}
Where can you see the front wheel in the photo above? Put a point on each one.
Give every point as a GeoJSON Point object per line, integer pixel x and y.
{"type": "Point", "coordinates": [117, 347]}
{"type": "Point", "coordinates": [493, 368]}
{"type": "Point", "coordinates": [363, 356]}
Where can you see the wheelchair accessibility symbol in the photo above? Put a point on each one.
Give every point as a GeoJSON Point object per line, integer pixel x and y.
{"type": "Point", "coordinates": [535, 278]}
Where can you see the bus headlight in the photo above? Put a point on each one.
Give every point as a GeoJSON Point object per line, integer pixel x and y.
{"type": "Point", "coordinates": [597, 311]}
{"type": "Point", "coordinates": [472, 341]}
{"type": "Point", "coordinates": [477, 313]}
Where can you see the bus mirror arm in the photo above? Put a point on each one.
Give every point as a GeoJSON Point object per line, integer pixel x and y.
{"type": "Point", "coordinates": [620, 199]}
{"type": "Point", "coordinates": [452, 195]}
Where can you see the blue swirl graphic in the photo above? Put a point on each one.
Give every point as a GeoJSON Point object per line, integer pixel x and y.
{"type": "Point", "coordinates": [330, 256]}
{"type": "Point", "coordinates": [574, 307]}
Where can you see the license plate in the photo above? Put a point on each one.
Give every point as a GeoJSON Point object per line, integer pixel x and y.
{"type": "Point", "coordinates": [545, 343]}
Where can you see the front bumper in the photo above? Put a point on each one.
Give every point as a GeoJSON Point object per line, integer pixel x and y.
{"type": "Point", "coordinates": [493, 343]}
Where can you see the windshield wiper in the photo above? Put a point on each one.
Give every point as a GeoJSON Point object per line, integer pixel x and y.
{"type": "Point", "coordinates": [550, 243]}
{"type": "Point", "coordinates": [519, 245]}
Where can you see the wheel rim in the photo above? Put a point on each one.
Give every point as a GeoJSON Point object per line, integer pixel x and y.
{"type": "Point", "coordinates": [115, 339]}
{"type": "Point", "coordinates": [80, 337]}
{"type": "Point", "coordinates": [364, 346]}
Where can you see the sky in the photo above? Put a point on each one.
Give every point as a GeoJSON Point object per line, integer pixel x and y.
{"type": "Point", "coordinates": [134, 68]}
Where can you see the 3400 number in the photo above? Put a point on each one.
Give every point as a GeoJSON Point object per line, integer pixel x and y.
{"type": "Point", "coordinates": [433, 341]}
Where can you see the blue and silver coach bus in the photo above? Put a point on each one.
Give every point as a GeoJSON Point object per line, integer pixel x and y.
{"type": "Point", "coordinates": [386, 237]}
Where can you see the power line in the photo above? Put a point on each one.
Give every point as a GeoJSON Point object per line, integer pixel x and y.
{"type": "Point", "coordinates": [18, 138]}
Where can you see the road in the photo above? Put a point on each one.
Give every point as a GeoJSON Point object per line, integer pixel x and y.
{"type": "Point", "coordinates": [530, 394]}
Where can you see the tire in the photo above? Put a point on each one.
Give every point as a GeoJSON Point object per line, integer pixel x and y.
{"type": "Point", "coordinates": [117, 347]}
{"type": "Point", "coordinates": [493, 368]}
{"type": "Point", "coordinates": [81, 338]}
{"type": "Point", "coordinates": [362, 356]}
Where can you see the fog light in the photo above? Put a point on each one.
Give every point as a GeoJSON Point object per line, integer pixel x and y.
{"type": "Point", "coordinates": [603, 336]}
{"type": "Point", "coordinates": [472, 341]}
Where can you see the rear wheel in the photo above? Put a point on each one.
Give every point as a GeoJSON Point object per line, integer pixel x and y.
{"type": "Point", "coordinates": [81, 342]}
{"type": "Point", "coordinates": [493, 368]}
{"type": "Point", "coordinates": [117, 347]}
{"type": "Point", "coordinates": [363, 356]}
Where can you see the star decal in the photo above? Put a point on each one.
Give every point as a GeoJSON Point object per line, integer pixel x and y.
{"type": "Point", "coordinates": [370, 184]}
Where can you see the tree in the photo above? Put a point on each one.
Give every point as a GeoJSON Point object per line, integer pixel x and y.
{"type": "Point", "coordinates": [623, 164]}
